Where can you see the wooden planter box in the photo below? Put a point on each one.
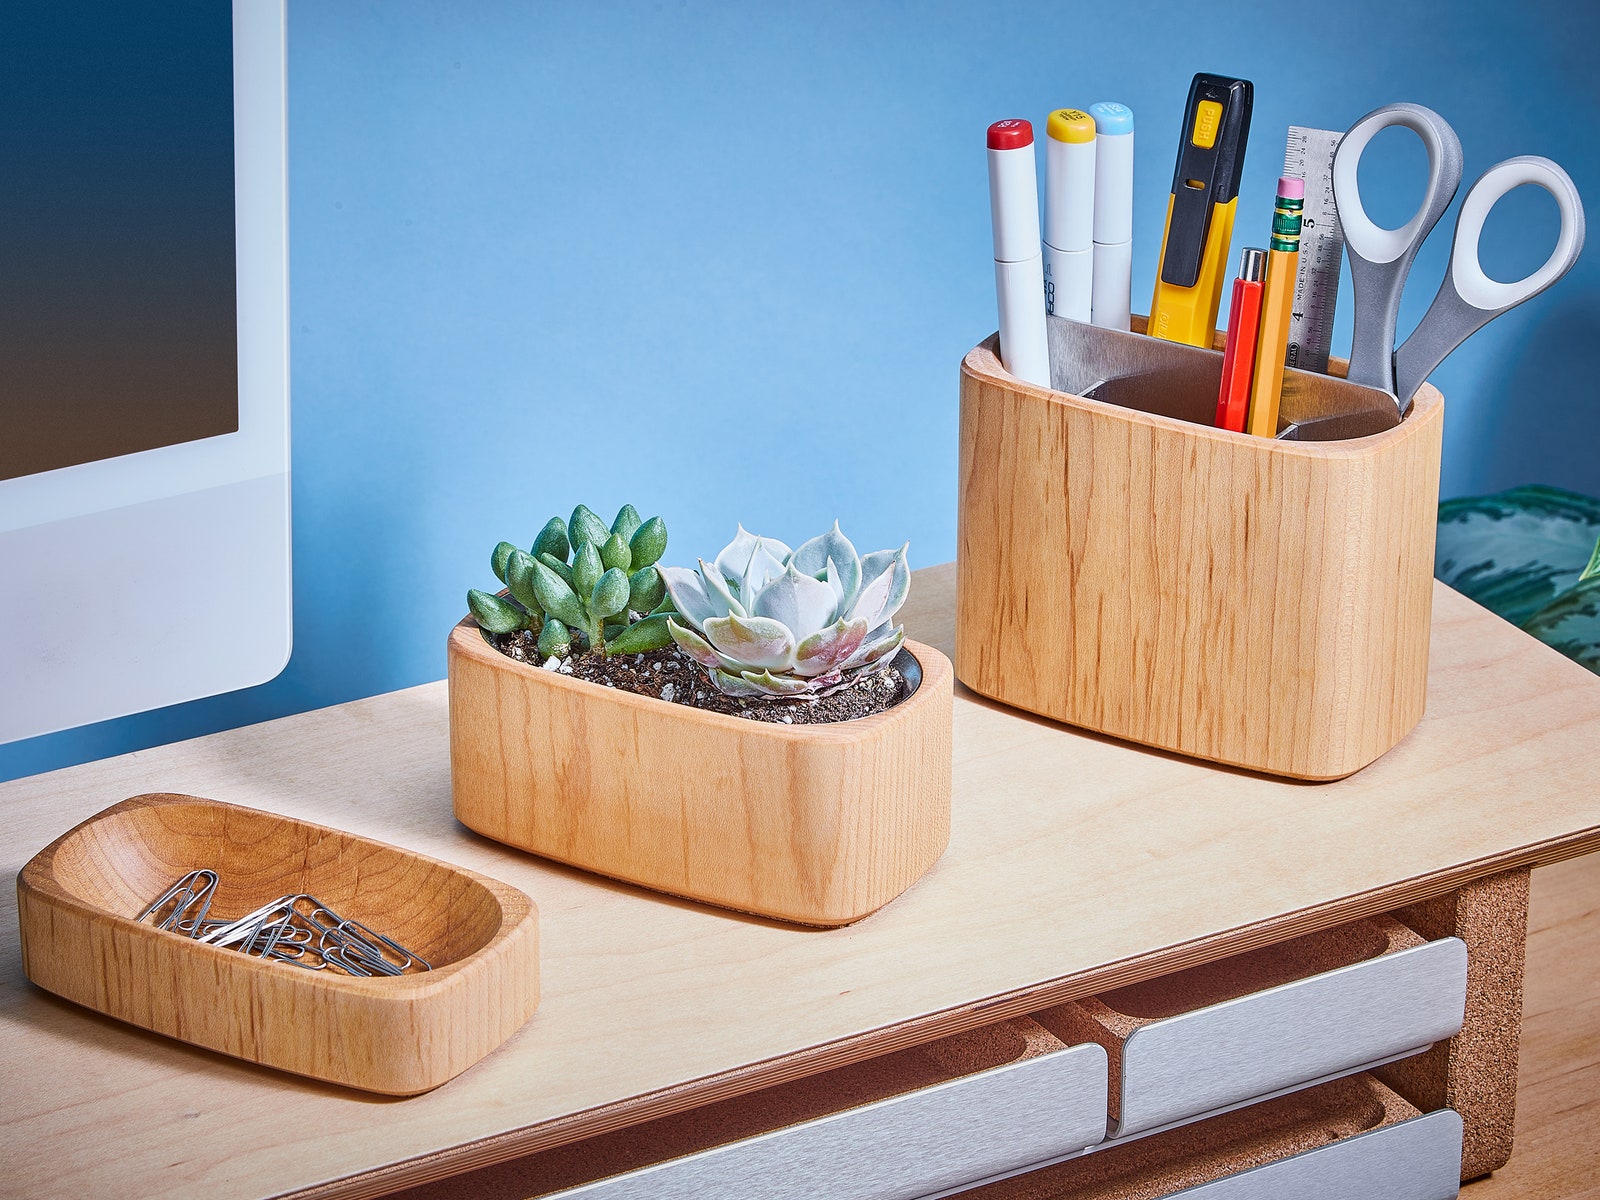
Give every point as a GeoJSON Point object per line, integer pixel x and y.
{"type": "Point", "coordinates": [817, 824]}
{"type": "Point", "coordinates": [76, 900]}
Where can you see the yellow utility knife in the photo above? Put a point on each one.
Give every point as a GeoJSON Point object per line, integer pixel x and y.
{"type": "Point", "coordinates": [1205, 193]}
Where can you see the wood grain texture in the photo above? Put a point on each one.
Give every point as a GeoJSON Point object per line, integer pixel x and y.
{"type": "Point", "coordinates": [1475, 1072]}
{"type": "Point", "coordinates": [817, 824]}
{"type": "Point", "coordinates": [1076, 864]}
{"type": "Point", "coordinates": [1258, 603]}
{"type": "Point", "coordinates": [77, 900]}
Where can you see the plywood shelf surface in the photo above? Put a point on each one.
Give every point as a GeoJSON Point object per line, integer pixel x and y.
{"type": "Point", "coordinates": [1076, 864]}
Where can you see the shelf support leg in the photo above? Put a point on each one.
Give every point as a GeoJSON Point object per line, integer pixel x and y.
{"type": "Point", "coordinates": [1475, 1072]}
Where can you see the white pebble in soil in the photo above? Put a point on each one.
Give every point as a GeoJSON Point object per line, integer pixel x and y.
{"type": "Point", "coordinates": [668, 692]}
{"type": "Point", "coordinates": [552, 663]}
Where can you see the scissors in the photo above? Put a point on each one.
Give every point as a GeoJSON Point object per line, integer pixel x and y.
{"type": "Point", "coordinates": [1380, 258]}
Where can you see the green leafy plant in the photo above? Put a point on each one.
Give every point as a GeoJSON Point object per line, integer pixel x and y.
{"type": "Point", "coordinates": [772, 623]}
{"type": "Point", "coordinates": [1532, 555]}
{"type": "Point", "coordinates": [582, 585]}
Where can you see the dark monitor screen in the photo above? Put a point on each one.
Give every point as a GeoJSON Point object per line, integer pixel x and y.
{"type": "Point", "coordinates": [117, 266]}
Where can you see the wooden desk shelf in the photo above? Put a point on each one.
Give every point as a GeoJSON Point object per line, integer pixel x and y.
{"type": "Point", "coordinates": [1077, 865]}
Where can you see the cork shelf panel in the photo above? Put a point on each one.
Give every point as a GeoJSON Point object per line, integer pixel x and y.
{"type": "Point", "coordinates": [1475, 1072]}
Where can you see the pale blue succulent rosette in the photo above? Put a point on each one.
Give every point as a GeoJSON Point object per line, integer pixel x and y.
{"type": "Point", "coordinates": [772, 623]}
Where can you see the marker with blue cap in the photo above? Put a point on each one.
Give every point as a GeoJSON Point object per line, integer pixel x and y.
{"type": "Point", "coordinates": [1110, 303]}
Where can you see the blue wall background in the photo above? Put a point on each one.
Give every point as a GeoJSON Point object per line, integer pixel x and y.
{"type": "Point", "coordinates": [723, 260]}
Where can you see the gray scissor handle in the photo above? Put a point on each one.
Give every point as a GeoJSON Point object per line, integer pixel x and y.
{"type": "Point", "coordinates": [1381, 258]}
{"type": "Point", "coordinates": [1468, 299]}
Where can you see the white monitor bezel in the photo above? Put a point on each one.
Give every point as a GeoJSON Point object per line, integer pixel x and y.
{"type": "Point", "coordinates": [109, 498]}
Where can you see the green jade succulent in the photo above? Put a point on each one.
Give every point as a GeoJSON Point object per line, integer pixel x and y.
{"type": "Point", "coordinates": [609, 597]}
{"type": "Point", "coordinates": [770, 623]}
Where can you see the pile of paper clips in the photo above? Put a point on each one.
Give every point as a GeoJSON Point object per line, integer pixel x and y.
{"type": "Point", "coordinates": [296, 929]}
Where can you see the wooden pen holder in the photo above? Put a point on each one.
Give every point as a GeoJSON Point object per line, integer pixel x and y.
{"type": "Point", "coordinates": [1246, 600]}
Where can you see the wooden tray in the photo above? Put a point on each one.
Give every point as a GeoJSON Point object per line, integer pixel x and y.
{"type": "Point", "coordinates": [400, 1035]}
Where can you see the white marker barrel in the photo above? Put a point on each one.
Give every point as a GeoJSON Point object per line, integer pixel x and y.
{"type": "Point", "coordinates": [1113, 214]}
{"type": "Point", "coordinates": [1110, 304]}
{"type": "Point", "coordinates": [1069, 157]}
{"type": "Point", "coordinates": [1018, 268]}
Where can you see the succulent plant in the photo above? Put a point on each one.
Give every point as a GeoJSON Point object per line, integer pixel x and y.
{"type": "Point", "coordinates": [610, 594]}
{"type": "Point", "coordinates": [773, 623]}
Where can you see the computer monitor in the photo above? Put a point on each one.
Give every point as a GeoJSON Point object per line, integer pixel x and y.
{"type": "Point", "coordinates": [144, 400]}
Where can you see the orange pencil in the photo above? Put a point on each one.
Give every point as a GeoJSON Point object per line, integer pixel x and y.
{"type": "Point", "coordinates": [1277, 302]}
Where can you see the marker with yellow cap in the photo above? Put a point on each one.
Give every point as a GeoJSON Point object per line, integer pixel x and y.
{"type": "Point", "coordinates": [1205, 193]}
{"type": "Point", "coordinates": [1069, 213]}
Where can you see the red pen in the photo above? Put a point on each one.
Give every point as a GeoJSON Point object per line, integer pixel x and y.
{"type": "Point", "coordinates": [1239, 353]}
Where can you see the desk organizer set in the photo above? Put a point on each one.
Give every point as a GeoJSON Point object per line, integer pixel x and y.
{"type": "Point", "coordinates": [759, 735]}
{"type": "Point", "coordinates": [330, 955]}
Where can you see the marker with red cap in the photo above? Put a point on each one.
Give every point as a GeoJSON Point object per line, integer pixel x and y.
{"type": "Point", "coordinates": [1018, 267]}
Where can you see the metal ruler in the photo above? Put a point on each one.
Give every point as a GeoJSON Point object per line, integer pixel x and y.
{"type": "Point", "coordinates": [1309, 156]}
